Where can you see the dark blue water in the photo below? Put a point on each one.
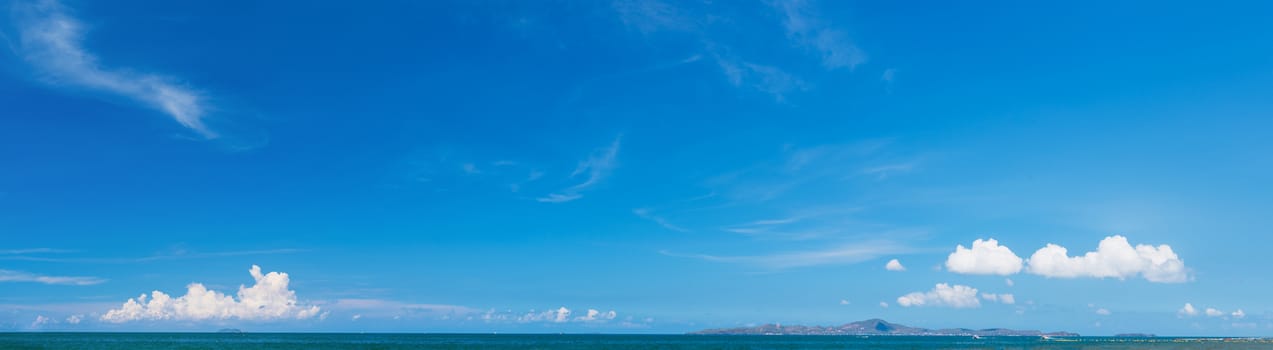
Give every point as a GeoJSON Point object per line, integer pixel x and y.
{"type": "Point", "coordinates": [540, 341]}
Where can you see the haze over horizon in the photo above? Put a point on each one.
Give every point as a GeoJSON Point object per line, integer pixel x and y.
{"type": "Point", "coordinates": [635, 166]}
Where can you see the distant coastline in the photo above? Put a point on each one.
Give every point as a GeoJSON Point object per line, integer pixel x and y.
{"type": "Point", "coordinates": [876, 327]}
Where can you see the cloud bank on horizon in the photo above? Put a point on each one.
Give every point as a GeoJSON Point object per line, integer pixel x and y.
{"type": "Point", "coordinates": [269, 298]}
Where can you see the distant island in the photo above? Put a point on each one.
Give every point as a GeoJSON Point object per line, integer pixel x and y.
{"type": "Point", "coordinates": [229, 330]}
{"type": "Point", "coordinates": [875, 327]}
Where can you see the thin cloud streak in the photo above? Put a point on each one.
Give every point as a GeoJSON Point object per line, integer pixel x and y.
{"type": "Point", "coordinates": [51, 41]}
{"type": "Point", "coordinates": [19, 276]}
{"type": "Point", "coordinates": [599, 165]}
{"type": "Point", "coordinates": [34, 251]}
{"type": "Point", "coordinates": [846, 254]}
{"type": "Point", "coordinates": [645, 214]}
{"type": "Point", "coordinates": [155, 257]}
{"type": "Point", "coordinates": [650, 16]}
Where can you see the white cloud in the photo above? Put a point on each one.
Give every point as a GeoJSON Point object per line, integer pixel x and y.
{"type": "Point", "coordinates": [596, 167]}
{"type": "Point", "coordinates": [563, 314]}
{"type": "Point", "coordinates": [594, 315]}
{"type": "Point", "coordinates": [268, 299]}
{"type": "Point", "coordinates": [1214, 313]}
{"type": "Point", "coordinates": [1239, 314]}
{"type": "Point", "coordinates": [1102, 312]}
{"type": "Point", "coordinates": [559, 315]}
{"type": "Point", "coordinates": [76, 319]}
{"type": "Point", "coordinates": [1114, 257]}
{"type": "Point", "coordinates": [986, 257]}
{"type": "Point", "coordinates": [894, 265]}
{"type": "Point", "coordinates": [1009, 282]}
{"type": "Point", "coordinates": [559, 198]}
{"type": "Point", "coordinates": [19, 276]}
{"type": "Point", "coordinates": [51, 41]}
{"type": "Point", "coordinates": [356, 317]}
{"type": "Point", "coordinates": [958, 296]}
{"type": "Point", "coordinates": [884, 304]}
{"type": "Point", "coordinates": [1187, 310]}
{"type": "Point", "coordinates": [999, 298]}
{"type": "Point", "coordinates": [844, 302]}
{"type": "Point", "coordinates": [41, 320]}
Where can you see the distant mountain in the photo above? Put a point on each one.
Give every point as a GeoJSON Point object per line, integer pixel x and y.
{"type": "Point", "coordinates": [873, 326]}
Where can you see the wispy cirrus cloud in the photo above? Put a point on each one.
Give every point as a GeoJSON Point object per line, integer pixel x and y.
{"type": "Point", "coordinates": [178, 255]}
{"type": "Point", "coordinates": [51, 41]}
{"type": "Point", "coordinates": [800, 22]}
{"type": "Point", "coordinates": [594, 169]}
{"type": "Point", "coordinates": [844, 254]}
{"type": "Point", "coordinates": [645, 213]}
{"type": "Point", "coordinates": [20, 276]}
{"type": "Point", "coordinates": [34, 251]}
{"type": "Point", "coordinates": [806, 29]}
{"type": "Point", "coordinates": [764, 78]}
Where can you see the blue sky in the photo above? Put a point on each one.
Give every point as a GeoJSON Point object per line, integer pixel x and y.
{"type": "Point", "coordinates": [670, 166]}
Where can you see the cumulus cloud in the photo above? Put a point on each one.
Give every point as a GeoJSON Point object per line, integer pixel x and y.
{"type": "Point", "coordinates": [884, 304]}
{"type": "Point", "coordinates": [1213, 312]}
{"type": "Point", "coordinates": [76, 319]}
{"type": "Point", "coordinates": [268, 299]}
{"type": "Point", "coordinates": [986, 257]}
{"type": "Point", "coordinates": [51, 41]}
{"type": "Point", "coordinates": [1239, 314]}
{"type": "Point", "coordinates": [894, 265]}
{"type": "Point", "coordinates": [958, 296]}
{"type": "Point", "coordinates": [595, 168]}
{"type": "Point", "coordinates": [1187, 310]}
{"type": "Point", "coordinates": [1114, 257]}
{"type": "Point", "coordinates": [1102, 312]}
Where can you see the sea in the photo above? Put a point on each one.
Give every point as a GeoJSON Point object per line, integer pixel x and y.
{"type": "Point", "coordinates": [142, 341]}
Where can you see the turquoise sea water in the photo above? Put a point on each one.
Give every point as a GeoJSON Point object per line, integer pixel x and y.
{"type": "Point", "coordinates": [540, 341]}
